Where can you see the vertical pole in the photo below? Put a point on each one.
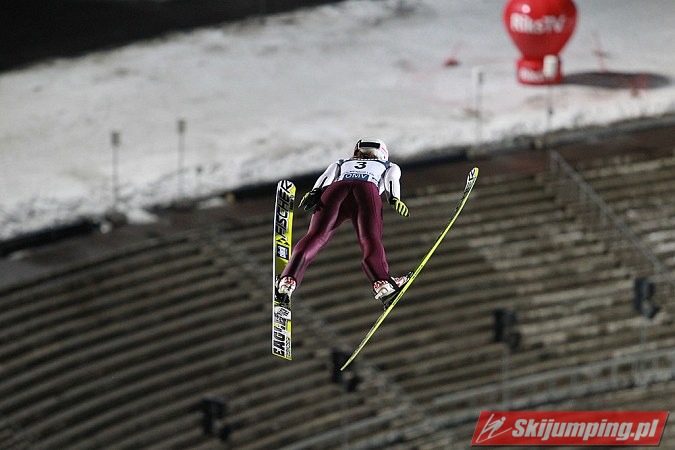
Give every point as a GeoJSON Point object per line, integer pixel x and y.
{"type": "Point", "coordinates": [181, 157]}
{"type": "Point", "coordinates": [115, 141]}
{"type": "Point", "coordinates": [550, 71]}
{"type": "Point", "coordinates": [643, 349]}
{"type": "Point", "coordinates": [505, 377]}
{"type": "Point", "coordinates": [599, 52]}
{"type": "Point", "coordinates": [549, 108]}
{"type": "Point", "coordinates": [478, 79]}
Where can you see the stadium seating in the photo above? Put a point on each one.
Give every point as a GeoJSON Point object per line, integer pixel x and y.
{"type": "Point", "coordinates": [119, 351]}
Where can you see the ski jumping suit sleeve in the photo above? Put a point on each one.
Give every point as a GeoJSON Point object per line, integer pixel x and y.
{"type": "Point", "coordinates": [329, 175]}
{"type": "Point", "coordinates": [391, 181]}
{"type": "Point", "coordinates": [352, 192]}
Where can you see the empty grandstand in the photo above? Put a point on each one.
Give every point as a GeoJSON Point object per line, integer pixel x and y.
{"type": "Point", "coordinates": [134, 347]}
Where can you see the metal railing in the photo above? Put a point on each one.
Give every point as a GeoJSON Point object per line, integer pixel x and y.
{"type": "Point", "coordinates": [556, 385]}
{"type": "Point", "coordinates": [565, 172]}
{"type": "Point", "coordinates": [614, 374]}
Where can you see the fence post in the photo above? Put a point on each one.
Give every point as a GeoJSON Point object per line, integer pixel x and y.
{"type": "Point", "coordinates": [115, 140]}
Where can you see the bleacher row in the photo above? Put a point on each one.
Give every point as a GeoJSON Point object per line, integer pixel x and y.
{"type": "Point", "coordinates": [118, 352]}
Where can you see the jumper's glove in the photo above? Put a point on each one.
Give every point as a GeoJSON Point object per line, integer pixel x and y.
{"type": "Point", "coordinates": [399, 206]}
{"type": "Point", "coordinates": [311, 199]}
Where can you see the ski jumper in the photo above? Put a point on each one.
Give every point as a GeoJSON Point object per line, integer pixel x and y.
{"type": "Point", "coordinates": [353, 193]}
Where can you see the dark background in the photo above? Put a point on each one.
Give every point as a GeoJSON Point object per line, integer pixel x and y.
{"type": "Point", "coordinates": [34, 30]}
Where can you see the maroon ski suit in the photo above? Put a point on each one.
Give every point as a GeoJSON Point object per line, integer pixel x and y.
{"type": "Point", "coordinates": [353, 193]}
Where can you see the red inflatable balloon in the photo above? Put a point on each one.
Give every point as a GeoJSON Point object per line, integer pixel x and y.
{"type": "Point", "coordinates": [540, 28]}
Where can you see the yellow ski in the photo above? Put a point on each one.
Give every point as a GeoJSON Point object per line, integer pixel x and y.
{"type": "Point", "coordinates": [283, 238]}
{"type": "Point", "coordinates": [470, 181]}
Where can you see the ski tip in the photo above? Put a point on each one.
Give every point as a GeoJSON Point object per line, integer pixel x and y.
{"type": "Point", "coordinates": [349, 361]}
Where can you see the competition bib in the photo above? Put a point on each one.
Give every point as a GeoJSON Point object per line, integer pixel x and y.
{"type": "Point", "coordinates": [362, 170]}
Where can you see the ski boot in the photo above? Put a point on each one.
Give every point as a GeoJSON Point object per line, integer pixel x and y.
{"type": "Point", "coordinates": [385, 292]}
{"type": "Point", "coordinates": [284, 288]}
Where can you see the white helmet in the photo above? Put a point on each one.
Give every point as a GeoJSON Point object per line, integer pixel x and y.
{"type": "Point", "coordinates": [372, 146]}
